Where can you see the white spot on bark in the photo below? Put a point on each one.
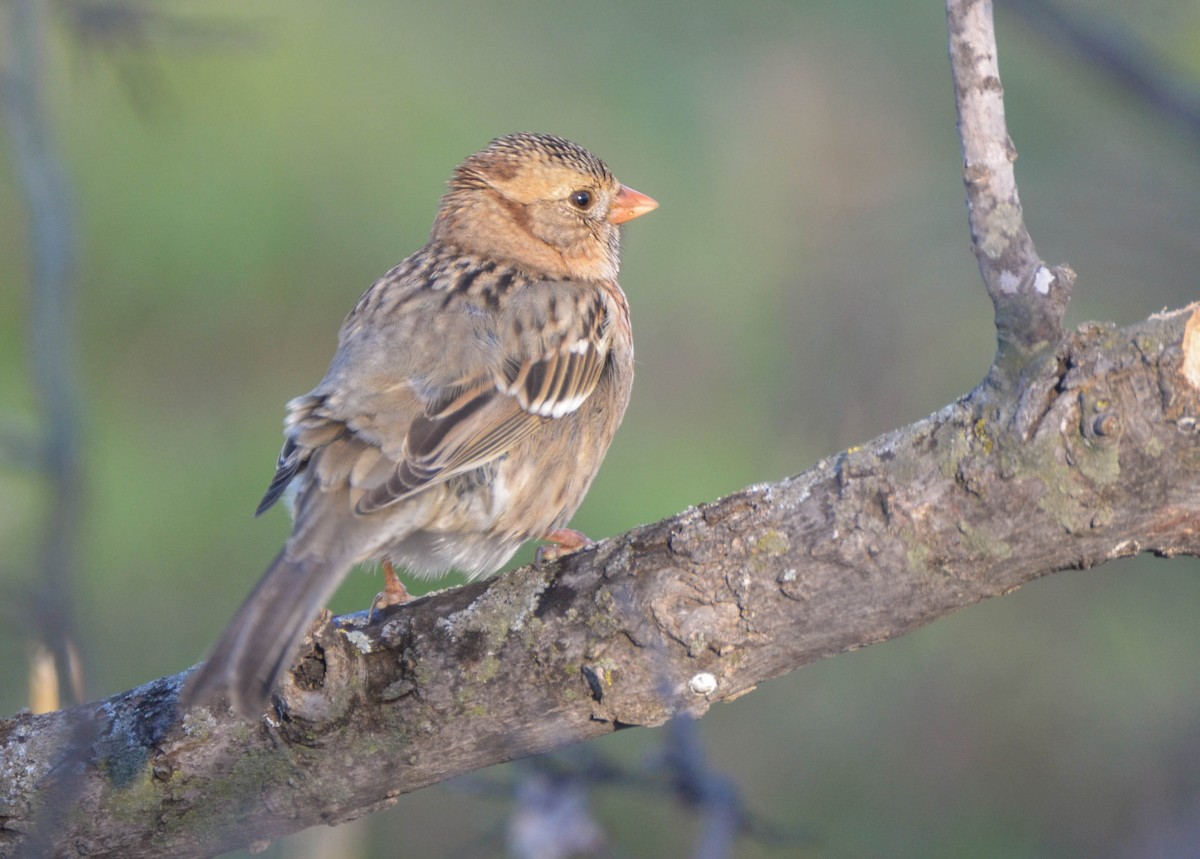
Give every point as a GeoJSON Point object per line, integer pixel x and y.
{"type": "Point", "coordinates": [1042, 280]}
{"type": "Point", "coordinates": [359, 639]}
{"type": "Point", "coordinates": [703, 684]}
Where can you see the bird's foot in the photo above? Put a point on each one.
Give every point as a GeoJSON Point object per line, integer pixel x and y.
{"type": "Point", "coordinates": [563, 542]}
{"type": "Point", "coordinates": [393, 593]}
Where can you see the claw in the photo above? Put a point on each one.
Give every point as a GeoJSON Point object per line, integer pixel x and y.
{"type": "Point", "coordinates": [393, 593]}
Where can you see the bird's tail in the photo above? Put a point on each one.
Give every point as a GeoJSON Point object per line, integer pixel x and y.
{"type": "Point", "coordinates": [260, 642]}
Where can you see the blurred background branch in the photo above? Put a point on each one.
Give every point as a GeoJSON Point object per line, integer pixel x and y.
{"type": "Point", "coordinates": [52, 336]}
{"type": "Point", "coordinates": [125, 33]}
{"type": "Point", "coordinates": [1116, 52]}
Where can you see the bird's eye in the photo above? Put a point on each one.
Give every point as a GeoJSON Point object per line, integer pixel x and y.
{"type": "Point", "coordinates": [581, 199]}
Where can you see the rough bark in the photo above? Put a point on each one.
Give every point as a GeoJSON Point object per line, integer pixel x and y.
{"type": "Point", "coordinates": [1076, 449]}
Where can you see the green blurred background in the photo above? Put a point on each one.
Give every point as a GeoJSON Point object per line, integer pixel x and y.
{"type": "Point", "coordinates": [806, 284]}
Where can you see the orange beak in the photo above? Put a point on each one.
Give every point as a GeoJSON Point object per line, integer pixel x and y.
{"type": "Point", "coordinates": [629, 204]}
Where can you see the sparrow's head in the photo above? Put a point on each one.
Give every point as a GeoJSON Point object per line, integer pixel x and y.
{"type": "Point", "coordinates": [542, 202]}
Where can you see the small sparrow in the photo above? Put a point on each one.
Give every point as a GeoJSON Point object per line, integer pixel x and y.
{"type": "Point", "coordinates": [474, 392]}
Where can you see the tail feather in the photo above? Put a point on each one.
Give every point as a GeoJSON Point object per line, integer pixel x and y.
{"type": "Point", "coordinates": [260, 642]}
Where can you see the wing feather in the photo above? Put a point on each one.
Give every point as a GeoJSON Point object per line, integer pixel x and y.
{"type": "Point", "coordinates": [480, 423]}
{"type": "Point", "coordinates": [547, 368]}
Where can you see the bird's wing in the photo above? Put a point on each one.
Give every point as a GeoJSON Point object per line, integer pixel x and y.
{"type": "Point", "coordinates": [308, 430]}
{"type": "Point", "coordinates": [549, 363]}
{"type": "Point", "coordinates": [549, 353]}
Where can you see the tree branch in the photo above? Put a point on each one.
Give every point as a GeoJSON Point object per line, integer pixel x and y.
{"type": "Point", "coordinates": [1078, 449]}
{"type": "Point", "coordinates": [664, 620]}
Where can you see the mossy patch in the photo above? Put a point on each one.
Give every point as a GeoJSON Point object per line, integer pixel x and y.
{"type": "Point", "coordinates": [771, 544]}
{"type": "Point", "coordinates": [979, 543]}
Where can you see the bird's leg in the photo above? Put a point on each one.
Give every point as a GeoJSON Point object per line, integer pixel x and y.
{"type": "Point", "coordinates": [564, 541]}
{"type": "Point", "coordinates": [393, 593]}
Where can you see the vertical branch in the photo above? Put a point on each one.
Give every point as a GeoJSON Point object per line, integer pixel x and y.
{"type": "Point", "coordinates": [52, 316]}
{"type": "Point", "coordinates": [1029, 298]}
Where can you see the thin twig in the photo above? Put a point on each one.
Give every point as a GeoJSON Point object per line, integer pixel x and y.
{"type": "Point", "coordinates": [1029, 298]}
